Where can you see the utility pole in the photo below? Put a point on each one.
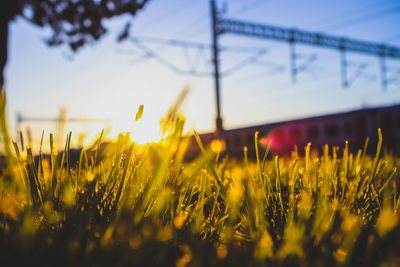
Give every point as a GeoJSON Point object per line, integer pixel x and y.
{"type": "Point", "coordinates": [214, 16]}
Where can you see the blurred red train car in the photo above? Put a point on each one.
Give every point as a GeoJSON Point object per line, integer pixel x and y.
{"type": "Point", "coordinates": [334, 129]}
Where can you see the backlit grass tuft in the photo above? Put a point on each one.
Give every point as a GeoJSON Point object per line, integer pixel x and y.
{"type": "Point", "coordinates": [129, 205]}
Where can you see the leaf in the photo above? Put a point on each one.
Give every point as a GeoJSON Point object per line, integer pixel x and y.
{"type": "Point", "coordinates": [139, 113]}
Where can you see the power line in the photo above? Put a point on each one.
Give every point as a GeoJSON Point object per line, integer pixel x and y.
{"type": "Point", "coordinates": [170, 12]}
{"type": "Point", "coordinates": [273, 67]}
{"type": "Point", "coordinates": [183, 29]}
{"type": "Point", "coordinates": [364, 18]}
{"type": "Point", "coordinates": [195, 22]}
{"type": "Point", "coordinates": [249, 6]}
{"type": "Point", "coordinates": [149, 53]}
{"type": "Point", "coordinates": [174, 42]}
{"type": "Point", "coordinates": [198, 45]}
{"type": "Point", "coordinates": [360, 67]}
{"type": "Point", "coordinates": [244, 63]}
{"type": "Point", "coordinates": [163, 61]}
{"type": "Point", "coordinates": [342, 15]}
{"type": "Point", "coordinates": [310, 59]}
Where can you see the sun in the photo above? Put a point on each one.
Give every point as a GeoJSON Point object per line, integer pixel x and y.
{"type": "Point", "coordinates": [142, 131]}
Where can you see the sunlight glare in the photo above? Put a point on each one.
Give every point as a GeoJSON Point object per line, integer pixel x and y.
{"type": "Point", "coordinates": [142, 131]}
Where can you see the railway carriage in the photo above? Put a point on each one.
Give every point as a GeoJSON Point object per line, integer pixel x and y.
{"type": "Point", "coordinates": [334, 129]}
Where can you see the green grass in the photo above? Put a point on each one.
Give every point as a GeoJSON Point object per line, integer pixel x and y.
{"type": "Point", "coordinates": [143, 205]}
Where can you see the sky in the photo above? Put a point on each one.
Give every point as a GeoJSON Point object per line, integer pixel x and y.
{"type": "Point", "coordinates": [109, 80]}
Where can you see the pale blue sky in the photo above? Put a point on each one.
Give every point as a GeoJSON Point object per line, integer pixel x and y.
{"type": "Point", "coordinates": [99, 81]}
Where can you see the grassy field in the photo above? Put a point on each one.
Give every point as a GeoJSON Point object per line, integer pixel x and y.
{"type": "Point", "coordinates": [144, 205]}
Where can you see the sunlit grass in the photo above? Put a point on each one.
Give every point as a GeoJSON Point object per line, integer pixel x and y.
{"type": "Point", "coordinates": [124, 204]}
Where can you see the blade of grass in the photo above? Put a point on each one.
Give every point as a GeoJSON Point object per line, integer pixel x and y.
{"type": "Point", "coordinates": [97, 150]}
{"type": "Point", "coordinates": [210, 166]}
{"type": "Point", "coordinates": [377, 156]}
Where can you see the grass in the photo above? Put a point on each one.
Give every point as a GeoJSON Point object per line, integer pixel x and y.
{"type": "Point", "coordinates": [130, 205]}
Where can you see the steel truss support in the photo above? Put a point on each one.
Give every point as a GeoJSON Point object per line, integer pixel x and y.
{"type": "Point", "coordinates": [295, 36]}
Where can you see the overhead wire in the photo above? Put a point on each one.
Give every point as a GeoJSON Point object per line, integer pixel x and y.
{"type": "Point", "coordinates": [185, 45]}
{"type": "Point", "coordinates": [307, 63]}
{"type": "Point", "coordinates": [193, 65]}
{"type": "Point", "coordinates": [163, 44]}
{"type": "Point", "coordinates": [194, 23]}
{"type": "Point", "coordinates": [360, 67]}
{"type": "Point", "coordinates": [185, 4]}
{"type": "Point", "coordinates": [249, 6]}
{"type": "Point", "coordinates": [244, 62]}
{"type": "Point", "coordinates": [198, 45]}
{"type": "Point", "coordinates": [163, 61]}
{"type": "Point", "coordinates": [394, 74]}
{"type": "Point", "coordinates": [346, 14]}
{"type": "Point", "coordinates": [149, 53]}
{"type": "Point", "coordinates": [363, 18]}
